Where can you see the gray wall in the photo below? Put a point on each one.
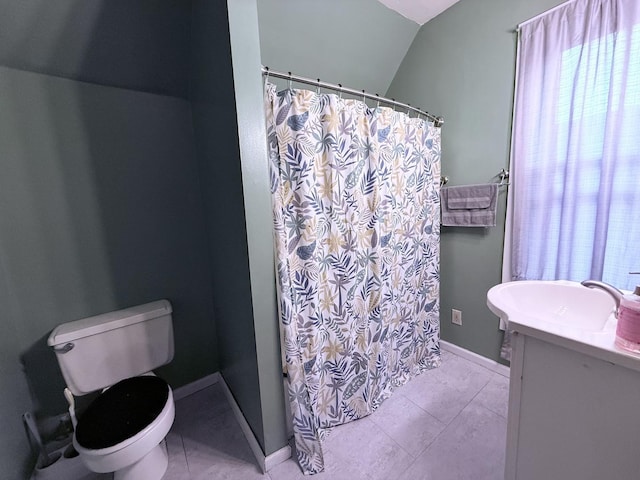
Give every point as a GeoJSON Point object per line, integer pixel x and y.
{"type": "Point", "coordinates": [358, 43]}
{"type": "Point", "coordinates": [229, 128]}
{"type": "Point", "coordinates": [112, 197]}
{"type": "Point", "coordinates": [216, 130]}
{"type": "Point", "coordinates": [100, 205]}
{"type": "Point", "coordinates": [245, 48]}
{"type": "Point", "coordinates": [99, 209]}
{"type": "Point", "coordinates": [461, 65]}
{"type": "Point", "coordinates": [139, 44]}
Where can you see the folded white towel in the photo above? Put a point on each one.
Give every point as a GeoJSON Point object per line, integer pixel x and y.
{"type": "Point", "coordinates": [469, 205]}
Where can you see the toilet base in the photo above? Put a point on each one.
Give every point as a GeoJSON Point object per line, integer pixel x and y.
{"type": "Point", "coordinates": [150, 467]}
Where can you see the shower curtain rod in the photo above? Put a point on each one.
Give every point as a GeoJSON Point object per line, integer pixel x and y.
{"type": "Point", "coordinates": [438, 121]}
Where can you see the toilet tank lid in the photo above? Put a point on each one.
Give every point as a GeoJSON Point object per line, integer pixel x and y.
{"type": "Point", "coordinates": [70, 331]}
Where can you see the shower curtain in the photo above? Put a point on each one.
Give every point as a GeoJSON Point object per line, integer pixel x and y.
{"type": "Point", "coordinates": [357, 226]}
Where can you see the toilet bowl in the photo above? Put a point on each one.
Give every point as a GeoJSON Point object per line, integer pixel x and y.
{"type": "Point", "coordinates": [123, 429]}
{"type": "Point", "coordinates": [126, 425]}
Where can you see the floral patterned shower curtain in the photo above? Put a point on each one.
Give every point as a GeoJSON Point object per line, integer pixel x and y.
{"type": "Point", "coordinates": [357, 222]}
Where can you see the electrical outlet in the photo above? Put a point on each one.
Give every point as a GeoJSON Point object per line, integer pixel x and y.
{"type": "Point", "coordinates": [456, 316]}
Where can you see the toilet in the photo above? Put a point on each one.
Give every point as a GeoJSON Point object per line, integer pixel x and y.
{"type": "Point", "coordinates": [123, 429]}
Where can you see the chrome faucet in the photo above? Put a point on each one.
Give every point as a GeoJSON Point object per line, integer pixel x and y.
{"type": "Point", "coordinates": [610, 289]}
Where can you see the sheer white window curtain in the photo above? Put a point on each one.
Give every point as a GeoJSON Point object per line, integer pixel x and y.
{"type": "Point", "coordinates": [575, 163]}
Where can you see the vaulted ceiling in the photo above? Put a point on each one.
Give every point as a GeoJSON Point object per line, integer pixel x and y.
{"type": "Point", "coordinates": [420, 11]}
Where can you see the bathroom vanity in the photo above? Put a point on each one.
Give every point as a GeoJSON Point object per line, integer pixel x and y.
{"type": "Point", "coordinates": [574, 397]}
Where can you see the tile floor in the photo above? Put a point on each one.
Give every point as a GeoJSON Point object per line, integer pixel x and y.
{"type": "Point", "coordinates": [447, 424]}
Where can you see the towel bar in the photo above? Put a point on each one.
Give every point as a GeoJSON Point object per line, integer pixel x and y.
{"type": "Point", "coordinates": [503, 175]}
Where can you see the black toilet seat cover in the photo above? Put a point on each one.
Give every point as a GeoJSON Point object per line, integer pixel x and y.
{"type": "Point", "coordinates": [121, 412]}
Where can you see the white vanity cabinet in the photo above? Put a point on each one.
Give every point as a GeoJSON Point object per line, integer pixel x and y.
{"type": "Point", "coordinates": [574, 409]}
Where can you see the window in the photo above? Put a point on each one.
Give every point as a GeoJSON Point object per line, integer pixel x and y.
{"type": "Point", "coordinates": [576, 145]}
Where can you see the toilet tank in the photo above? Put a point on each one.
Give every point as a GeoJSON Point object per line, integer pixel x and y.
{"type": "Point", "coordinates": [97, 352]}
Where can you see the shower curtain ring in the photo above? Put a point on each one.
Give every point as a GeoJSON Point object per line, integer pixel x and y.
{"type": "Point", "coordinates": [266, 77]}
{"type": "Point", "coordinates": [363, 97]}
{"type": "Point", "coordinates": [290, 81]}
{"type": "Point", "coordinates": [408, 108]}
{"type": "Point", "coordinates": [318, 88]}
{"type": "Point", "coordinates": [340, 85]}
{"type": "Point", "coordinates": [378, 102]}
{"type": "Point", "coordinates": [394, 104]}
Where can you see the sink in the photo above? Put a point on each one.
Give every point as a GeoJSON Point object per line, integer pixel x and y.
{"type": "Point", "coordinates": [561, 304]}
{"type": "Point", "coordinates": [564, 313]}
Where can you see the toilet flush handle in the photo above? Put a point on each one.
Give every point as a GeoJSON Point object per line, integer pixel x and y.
{"type": "Point", "coordinates": [67, 347]}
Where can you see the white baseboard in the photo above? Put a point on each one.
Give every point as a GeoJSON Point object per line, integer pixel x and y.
{"type": "Point", "coordinates": [276, 458]}
{"type": "Point", "coordinates": [475, 358]}
{"type": "Point", "coordinates": [196, 386]}
{"type": "Point", "coordinates": [266, 463]}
